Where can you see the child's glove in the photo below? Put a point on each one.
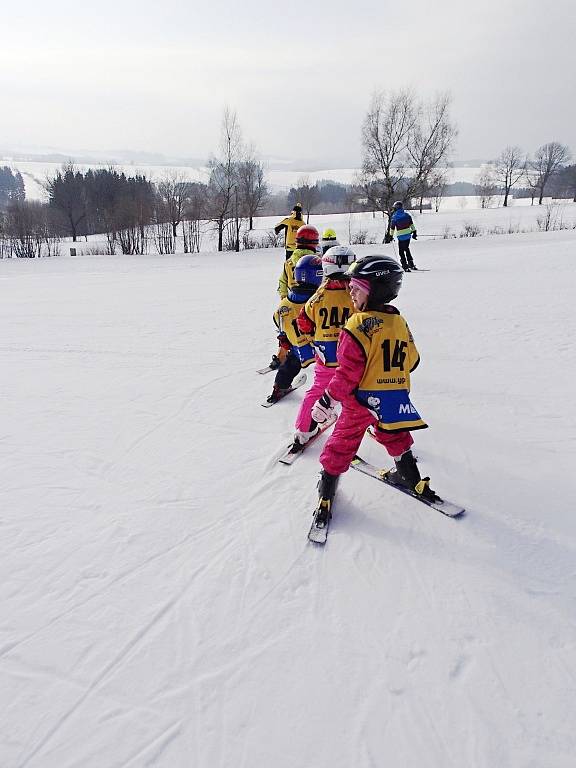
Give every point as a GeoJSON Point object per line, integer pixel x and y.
{"type": "Point", "coordinates": [388, 238]}
{"type": "Point", "coordinates": [414, 237]}
{"type": "Point", "coordinates": [283, 342]}
{"type": "Point", "coordinates": [323, 408]}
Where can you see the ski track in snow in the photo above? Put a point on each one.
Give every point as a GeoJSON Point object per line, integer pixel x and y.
{"type": "Point", "coordinates": [163, 606]}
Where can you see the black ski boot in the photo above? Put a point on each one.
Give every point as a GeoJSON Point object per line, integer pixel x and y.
{"type": "Point", "coordinates": [408, 475]}
{"type": "Point", "coordinates": [326, 491]}
{"type": "Point", "coordinates": [277, 394]}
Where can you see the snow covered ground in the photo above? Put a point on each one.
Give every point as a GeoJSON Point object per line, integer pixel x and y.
{"type": "Point", "coordinates": [160, 603]}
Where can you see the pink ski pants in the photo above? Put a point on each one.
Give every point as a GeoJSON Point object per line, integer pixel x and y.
{"type": "Point", "coordinates": [322, 378]}
{"type": "Point", "coordinates": [347, 435]}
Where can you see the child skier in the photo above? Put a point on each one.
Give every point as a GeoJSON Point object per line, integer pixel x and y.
{"type": "Point", "coordinates": [307, 239]}
{"type": "Point", "coordinates": [298, 349]}
{"type": "Point", "coordinates": [321, 319]}
{"type": "Point", "coordinates": [329, 240]}
{"type": "Point", "coordinates": [376, 354]}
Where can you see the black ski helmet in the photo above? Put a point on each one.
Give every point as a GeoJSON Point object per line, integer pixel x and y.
{"type": "Point", "coordinates": [397, 205]}
{"type": "Point", "coordinates": [384, 275]}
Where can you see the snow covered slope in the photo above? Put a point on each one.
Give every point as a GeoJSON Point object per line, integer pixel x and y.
{"type": "Point", "coordinates": [160, 603]}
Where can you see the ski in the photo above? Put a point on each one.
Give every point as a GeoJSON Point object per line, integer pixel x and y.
{"type": "Point", "coordinates": [319, 533]}
{"type": "Point", "coordinates": [298, 381]}
{"type": "Point", "coordinates": [445, 507]}
{"type": "Point", "coordinates": [289, 456]}
{"type": "Point", "coordinates": [272, 366]}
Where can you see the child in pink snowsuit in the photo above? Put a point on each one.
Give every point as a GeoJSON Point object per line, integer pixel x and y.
{"type": "Point", "coordinates": [351, 426]}
{"type": "Point", "coordinates": [376, 354]}
{"type": "Point", "coordinates": [321, 319]}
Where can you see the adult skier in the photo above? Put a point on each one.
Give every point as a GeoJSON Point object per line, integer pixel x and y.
{"type": "Point", "coordinates": [376, 355]}
{"type": "Point", "coordinates": [401, 223]}
{"type": "Point", "coordinates": [298, 349]}
{"type": "Point", "coordinates": [291, 224]}
{"type": "Point", "coordinates": [320, 320]}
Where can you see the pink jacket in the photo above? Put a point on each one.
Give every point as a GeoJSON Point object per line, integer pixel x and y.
{"type": "Point", "coordinates": [351, 365]}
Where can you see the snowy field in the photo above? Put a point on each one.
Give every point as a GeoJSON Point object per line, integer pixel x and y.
{"type": "Point", "coordinates": [161, 605]}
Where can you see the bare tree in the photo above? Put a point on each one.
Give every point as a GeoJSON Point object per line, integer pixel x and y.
{"type": "Point", "coordinates": [195, 212]}
{"type": "Point", "coordinates": [438, 184]}
{"type": "Point", "coordinates": [133, 213]}
{"type": "Point", "coordinates": [386, 133]}
{"type": "Point", "coordinates": [431, 143]}
{"type": "Point", "coordinates": [29, 229]}
{"type": "Point", "coordinates": [549, 158]}
{"type": "Point", "coordinates": [509, 168]}
{"type": "Point", "coordinates": [403, 143]}
{"type": "Point", "coordinates": [530, 179]}
{"type": "Point", "coordinates": [307, 194]}
{"type": "Point", "coordinates": [173, 191]}
{"type": "Point", "coordinates": [486, 187]}
{"type": "Point", "coordinates": [253, 187]}
{"type": "Point", "coordinates": [223, 184]}
{"type": "Point", "coordinates": [163, 234]}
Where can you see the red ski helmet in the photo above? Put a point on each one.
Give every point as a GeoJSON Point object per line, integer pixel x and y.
{"type": "Point", "coordinates": [307, 236]}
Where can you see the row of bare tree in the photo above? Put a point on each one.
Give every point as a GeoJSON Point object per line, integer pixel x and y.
{"type": "Point", "coordinates": [134, 213]}
{"type": "Point", "coordinates": [28, 231]}
{"type": "Point", "coordinates": [514, 167]}
{"type": "Point", "coordinates": [407, 144]}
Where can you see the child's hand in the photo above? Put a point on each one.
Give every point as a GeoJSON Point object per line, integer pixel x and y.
{"type": "Point", "coordinates": [323, 408]}
{"type": "Point", "coordinates": [283, 342]}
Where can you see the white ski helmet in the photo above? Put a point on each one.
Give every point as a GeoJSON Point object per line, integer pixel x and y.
{"type": "Point", "coordinates": [337, 259]}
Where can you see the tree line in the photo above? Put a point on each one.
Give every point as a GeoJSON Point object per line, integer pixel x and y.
{"type": "Point", "coordinates": [136, 214]}
{"type": "Point", "coordinates": [406, 149]}
{"type": "Point", "coordinates": [547, 171]}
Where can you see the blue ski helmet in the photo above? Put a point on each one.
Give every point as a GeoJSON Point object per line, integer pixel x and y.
{"type": "Point", "coordinates": [308, 270]}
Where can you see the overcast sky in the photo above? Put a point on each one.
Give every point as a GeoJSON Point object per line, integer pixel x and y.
{"type": "Point", "coordinates": [155, 76]}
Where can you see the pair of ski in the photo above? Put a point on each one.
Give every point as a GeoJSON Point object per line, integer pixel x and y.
{"type": "Point", "coordinates": [319, 530]}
